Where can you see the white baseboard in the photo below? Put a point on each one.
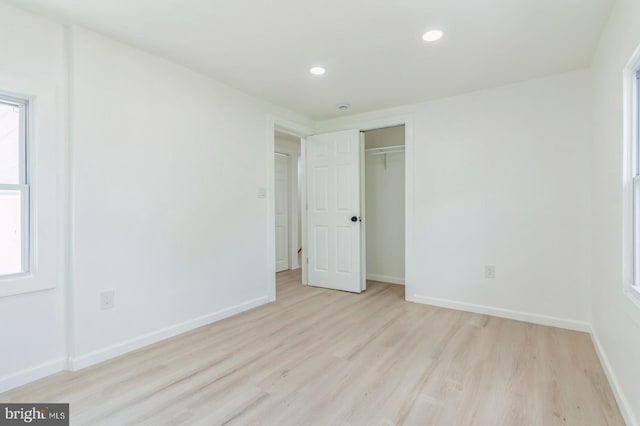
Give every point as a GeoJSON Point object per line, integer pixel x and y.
{"type": "Point", "coordinates": [505, 313]}
{"type": "Point", "coordinates": [623, 403]}
{"type": "Point", "coordinates": [385, 279]}
{"type": "Point", "coordinates": [109, 352]}
{"type": "Point", "coordinates": [31, 374]}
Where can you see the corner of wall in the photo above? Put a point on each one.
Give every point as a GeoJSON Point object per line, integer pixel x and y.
{"type": "Point", "coordinates": [623, 403]}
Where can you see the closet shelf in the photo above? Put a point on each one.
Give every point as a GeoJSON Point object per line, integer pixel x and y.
{"type": "Point", "coordinates": [385, 150]}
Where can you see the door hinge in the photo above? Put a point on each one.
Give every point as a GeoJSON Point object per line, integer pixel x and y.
{"type": "Point", "coordinates": [307, 260]}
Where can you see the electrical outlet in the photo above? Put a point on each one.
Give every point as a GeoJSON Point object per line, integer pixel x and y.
{"type": "Point", "coordinates": [107, 299]}
{"type": "Point", "coordinates": [489, 272]}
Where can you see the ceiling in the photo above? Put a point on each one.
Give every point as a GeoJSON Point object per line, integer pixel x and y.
{"type": "Point", "coordinates": [372, 49]}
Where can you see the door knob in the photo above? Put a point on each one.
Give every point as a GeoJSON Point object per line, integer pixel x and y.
{"type": "Point", "coordinates": [354, 218]}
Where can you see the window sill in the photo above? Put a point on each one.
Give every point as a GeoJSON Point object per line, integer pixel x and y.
{"type": "Point", "coordinates": [12, 285]}
{"type": "Point", "coordinates": [633, 303]}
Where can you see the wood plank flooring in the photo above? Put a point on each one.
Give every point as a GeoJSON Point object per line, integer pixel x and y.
{"type": "Point", "coordinates": [323, 357]}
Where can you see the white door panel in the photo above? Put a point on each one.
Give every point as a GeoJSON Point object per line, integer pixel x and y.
{"type": "Point", "coordinates": [281, 211]}
{"type": "Point", "coordinates": [333, 193]}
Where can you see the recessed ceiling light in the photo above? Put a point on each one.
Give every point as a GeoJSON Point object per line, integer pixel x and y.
{"type": "Point", "coordinates": [432, 35]}
{"type": "Point", "coordinates": [317, 70]}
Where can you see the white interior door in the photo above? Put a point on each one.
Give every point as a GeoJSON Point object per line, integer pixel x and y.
{"type": "Point", "coordinates": [333, 217]}
{"type": "Point", "coordinates": [282, 211]}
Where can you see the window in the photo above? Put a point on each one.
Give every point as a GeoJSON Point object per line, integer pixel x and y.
{"type": "Point", "coordinates": [14, 187]}
{"type": "Point", "coordinates": [635, 151]}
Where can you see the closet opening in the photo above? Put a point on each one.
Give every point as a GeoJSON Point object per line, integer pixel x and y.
{"type": "Point", "coordinates": [384, 206]}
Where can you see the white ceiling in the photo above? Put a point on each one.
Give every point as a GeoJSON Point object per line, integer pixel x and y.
{"type": "Point", "coordinates": [371, 48]}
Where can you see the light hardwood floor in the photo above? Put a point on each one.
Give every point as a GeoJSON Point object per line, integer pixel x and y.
{"type": "Point", "coordinates": [323, 357]}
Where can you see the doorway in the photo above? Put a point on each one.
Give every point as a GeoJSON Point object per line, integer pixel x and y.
{"type": "Point", "coordinates": [287, 208]}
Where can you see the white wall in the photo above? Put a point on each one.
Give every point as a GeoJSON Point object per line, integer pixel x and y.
{"type": "Point", "coordinates": [167, 168]}
{"type": "Point", "coordinates": [384, 207]}
{"type": "Point", "coordinates": [499, 180]}
{"type": "Point", "coordinates": [615, 318]}
{"type": "Point", "coordinates": [385, 136]}
{"type": "Point", "coordinates": [32, 324]}
{"type": "Point", "coordinates": [290, 145]}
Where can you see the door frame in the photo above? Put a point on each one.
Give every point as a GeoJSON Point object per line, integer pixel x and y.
{"type": "Point", "coordinates": [302, 132]}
